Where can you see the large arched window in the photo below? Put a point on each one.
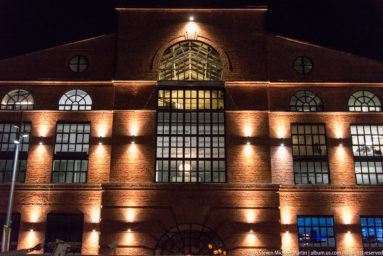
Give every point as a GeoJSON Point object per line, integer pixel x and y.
{"type": "Point", "coordinates": [190, 60]}
{"type": "Point", "coordinates": [364, 101]}
{"type": "Point", "coordinates": [17, 100]}
{"type": "Point", "coordinates": [190, 239]}
{"type": "Point", "coordinates": [305, 101]}
{"type": "Point", "coordinates": [75, 100]}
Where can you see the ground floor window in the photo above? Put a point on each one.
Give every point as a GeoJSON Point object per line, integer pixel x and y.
{"type": "Point", "coordinates": [372, 233]}
{"type": "Point", "coordinates": [66, 227]}
{"type": "Point", "coordinates": [316, 233]}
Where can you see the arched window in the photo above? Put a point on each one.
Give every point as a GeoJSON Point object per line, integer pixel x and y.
{"type": "Point", "coordinates": [305, 101]}
{"type": "Point", "coordinates": [364, 101]}
{"type": "Point", "coordinates": [75, 100]}
{"type": "Point", "coordinates": [17, 100]}
{"type": "Point", "coordinates": [190, 239]}
{"type": "Point", "coordinates": [190, 60]}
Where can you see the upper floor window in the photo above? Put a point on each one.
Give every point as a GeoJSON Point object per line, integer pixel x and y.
{"type": "Point", "coordinates": [372, 233]}
{"type": "Point", "coordinates": [8, 134]}
{"type": "Point", "coordinates": [310, 154]}
{"type": "Point", "coordinates": [305, 101]}
{"type": "Point", "coordinates": [316, 233]}
{"type": "Point", "coordinates": [364, 101]}
{"type": "Point", "coordinates": [70, 160]}
{"type": "Point", "coordinates": [78, 63]}
{"type": "Point", "coordinates": [17, 100]}
{"type": "Point", "coordinates": [367, 147]}
{"type": "Point", "coordinates": [303, 65]}
{"type": "Point", "coordinates": [190, 136]}
{"type": "Point", "coordinates": [75, 100]}
{"type": "Point", "coordinates": [190, 60]}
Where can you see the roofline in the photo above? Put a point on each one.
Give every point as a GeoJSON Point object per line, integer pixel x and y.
{"type": "Point", "coordinates": [260, 8]}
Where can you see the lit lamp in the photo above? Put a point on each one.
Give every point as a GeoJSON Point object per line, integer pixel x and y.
{"type": "Point", "coordinates": [248, 140]}
{"type": "Point", "coordinates": [191, 30]}
{"type": "Point", "coordinates": [282, 144]}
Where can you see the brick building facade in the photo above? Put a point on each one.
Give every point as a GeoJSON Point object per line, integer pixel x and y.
{"type": "Point", "coordinates": [289, 159]}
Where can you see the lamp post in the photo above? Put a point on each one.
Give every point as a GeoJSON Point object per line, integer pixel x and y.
{"type": "Point", "coordinates": [7, 225]}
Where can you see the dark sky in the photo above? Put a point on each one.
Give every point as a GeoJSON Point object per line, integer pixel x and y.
{"type": "Point", "coordinates": [352, 26]}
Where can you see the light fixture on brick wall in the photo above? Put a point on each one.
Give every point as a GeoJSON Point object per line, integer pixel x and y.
{"type": "Point", "coordinates": [248, 140]}
{"type": "Point", "coordinates": [191, 30]}
{"type": "Point", "coordinates": [100, 141]}
{"type": "Point", "coordinates": [340, 142]}
{"type": "Point", "coordinates": [133, 139]}
{"type": "Point", "coordinates": [41, 140]}
{"type": "Point", "coordinates": [282, 144]}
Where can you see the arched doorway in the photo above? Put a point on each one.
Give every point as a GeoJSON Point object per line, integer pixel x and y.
{"type": "Point", "coordinates": [190, 239]}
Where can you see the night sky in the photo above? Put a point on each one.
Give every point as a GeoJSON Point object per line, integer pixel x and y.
{"type": "Point", "coordinates": [352, 26]}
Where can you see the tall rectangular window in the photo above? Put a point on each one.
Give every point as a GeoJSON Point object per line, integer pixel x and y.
{"type": "Point", "coordinates": [367, 147]}
{"type": "Point", "coordinates": [316, 233]}
{"type": "Point", "coordinates": [310, 154]}
{"type": "Point", "coordinates": [70, 160]}
{"type": "Point", "coordinates": [66, 227]}
{"type": "Point", "coordinates": [8, 134]}
{"type": "Point", "coordinates": [190, 136]}
{"type": "Point", "coordinates": [372, 233]}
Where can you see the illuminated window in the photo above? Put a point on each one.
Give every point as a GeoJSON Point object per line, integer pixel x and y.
{"type": "Point", "coordinates": [303, 65]}
{"type": "Point", "coordinates": [8, 134]}
{"type": "Point", "coordinates": [15, 219]}
{"type": "Point", "coordinates": [372, 233]}
{"type": "Point", "coordinates": [66, 227]}
{"type": "Point", "coordinates": [190, 239]}
{"type": "Point", "coordinates": [75, 100]}
{"type": "Point", "coordinates": [310, 154]}
{"type": "Point", "coordinates": [78, 64]}
{"type": "Point", "coordinates": [305, 101]}
{"type": "Point", "coordinates": [367, 147]}
{"type": "Point", "coordinates": [190, 60]}
{"type": "Point", "coordinates": [316, 233]}
{"type": "Point", "coordinates": [364, 101]}
{"type": "Point", "coordinates": [70, 160]}
{"type": "Point", "coordinates": [190, 136]}
{"type": "Point", "coordinates": [17, 100]}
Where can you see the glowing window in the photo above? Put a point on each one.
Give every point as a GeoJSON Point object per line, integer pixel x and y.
{"type": "Point", "coordinates": [9, 133]}
{"type": "Point", "coordinates": [75, 100]}
{"type": "Point", "coordinates": [305, 101]}
{"type": "Point", "coordinates": [190, 136]}
{"type": "Point", "coordinates": [190, 60]}
{"type": "Point", "coordinates": [190, 239]}
{"type": "Point", "coordinates": [310, 154]}
{"type": "Point", "coordinates": [17, 100]}
{"type": "Point", "coordinates": [303, 65]}
{"type": "Point", "coordinates": [367, 147]}
{"type": "Point", "coordinates": [316, 233]}
{"type": "Point", "coordinates": [70, 159]}
{"type": "Point", "coordinates": [78, 64]}
{"type": "Point", "coordinates": [364, 101]}
{"type": "Point", "coordinates": [372, 233]}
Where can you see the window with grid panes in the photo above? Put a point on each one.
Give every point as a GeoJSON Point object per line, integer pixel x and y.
{"type": "Point", "coordinates": [372, 233]}
{"type": "Point", "coordinates": [316, 233]}
{"type": "Point", "coordinates": [8, 134]}
{"type": "Point", "coordinates": [190, 136]}
{"type": "Point", "coordinates": [310, 154]}
{"type": "Point", "coordinates": [367, 147]}
{"type": "Point", "coordinates": [70, 160]}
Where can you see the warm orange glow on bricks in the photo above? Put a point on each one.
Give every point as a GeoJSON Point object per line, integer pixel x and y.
{"type": "Point", "coordinates": [248, 130]}
{"type": "Point", "coordinates": [286, 216]}
{"type": "Point", "coordinates": [129, 238]}
{"type": "Point", "coordinates": [101, 130]}
{"type": "Point", "coordinates": [250, 216]}
{"type": "Point", "coordinates": [43, 131]}
{"type": "Point", "coordinates": [95, 215]}
{"type": "Point", "coordinates": [31, 239]}
{"type": "Point", "coordinates": [281, 131]}
{"type": "Point", "coordinates": [250, 238]}
{"type": "Point", "coordinates": [287, 241]}
{"type": "Point", "coordinates": [130, 214]}
{"type": "Point", "coordinates": [249, 151]}
{"type": "Point", "coordinates": [346, 215]}
{"type": "Point", "coordinates": [34, 214]}
{"type": "Point", "coordinates": [191, 31]}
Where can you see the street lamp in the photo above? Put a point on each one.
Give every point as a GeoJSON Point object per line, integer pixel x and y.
{"type": "Point", "coordinates": [7, 225]}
